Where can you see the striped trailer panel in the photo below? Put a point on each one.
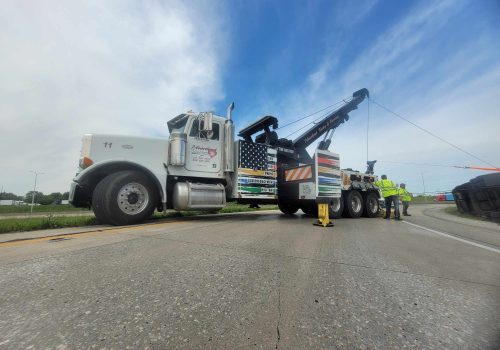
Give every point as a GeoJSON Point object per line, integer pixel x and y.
{"type": "Point", "coordinates": [327, 173]}
{"type": "Point", "coordinates": [329, 161]}
{"type": "Point", "coordinates": [297, 174]}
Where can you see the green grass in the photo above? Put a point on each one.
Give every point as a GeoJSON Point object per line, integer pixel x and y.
{"type": "Point", "coordinates": [43, 223]}
{"type": "Point", "coordinates": [20, 209]}
{"type": "Point", "coordinates": [423, 200]}
{"type": "Point", "coordinates": [236, 208]}
{"type": "Point", "coordinates": [454, 211]}
{"type": "Point", "coordinates": [51, 222]}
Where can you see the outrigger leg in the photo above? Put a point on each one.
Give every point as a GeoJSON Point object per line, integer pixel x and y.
{"type": "Point", "coordinates": [323, 217]}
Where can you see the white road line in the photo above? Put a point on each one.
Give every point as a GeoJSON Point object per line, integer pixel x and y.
{"type": "Point", "coordinates": [455, 237]}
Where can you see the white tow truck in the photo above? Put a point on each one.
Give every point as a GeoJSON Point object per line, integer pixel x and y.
{"type": "Point", "coordinates": [201, 167]}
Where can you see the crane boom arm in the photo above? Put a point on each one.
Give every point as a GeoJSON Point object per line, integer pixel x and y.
{"type": "Point", "coordinates": [331, 121]}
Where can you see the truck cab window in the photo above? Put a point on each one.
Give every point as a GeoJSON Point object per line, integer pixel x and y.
{"type": "Point", "coordinates": [178, 123]}
{"type": "Point", "coordinates": [197, 132]}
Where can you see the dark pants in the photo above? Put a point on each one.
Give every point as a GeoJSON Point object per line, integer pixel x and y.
{"type": "Point", "coordinates": [388, 204]}
{"type": "Point", "coordinates": [405, 207]}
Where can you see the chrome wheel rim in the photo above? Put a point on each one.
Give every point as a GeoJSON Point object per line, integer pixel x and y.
{"type": "Point", "coordinates": [372, 205]}
{"type": "Point", "coordinates": [335, 205]}
{"type": "Point", "coordinates": [356, 204]}
{"type": "Point", "coordinates": [133, 198]}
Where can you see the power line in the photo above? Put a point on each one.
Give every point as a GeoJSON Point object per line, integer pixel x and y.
{"type": "Point", "coordinates": [312, 122]}
{"type": "Point", "coordinates": [424, 164]}
{"type": "Point", "coordinates": [434, 135]}
{"type": "Point", "coordinates": [470, 167]}
{"type": "Point", "coordinates": [310, 115]}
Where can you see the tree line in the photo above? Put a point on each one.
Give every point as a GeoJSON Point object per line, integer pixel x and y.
{"type": "Point", "coordinates": [40, 197]}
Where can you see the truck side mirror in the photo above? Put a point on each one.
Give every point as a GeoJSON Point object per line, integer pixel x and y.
{"type": "Point", "coordinates": [207, 125]}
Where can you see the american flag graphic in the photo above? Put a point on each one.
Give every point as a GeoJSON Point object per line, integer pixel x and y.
{"type": "Point", "coordinates": [256, 170]}
{"type": "Point", "coordinates": [254, 156]}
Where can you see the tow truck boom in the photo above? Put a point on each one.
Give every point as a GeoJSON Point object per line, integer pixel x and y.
{"type": "Point", "coordinates": [331, 121]}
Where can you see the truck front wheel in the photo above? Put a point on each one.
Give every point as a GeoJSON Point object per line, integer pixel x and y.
{"type": "Point", "coordinates": [353, 205]}
{"type": "Point", "coordinates": [288, 208]}
{"type": "Point", "coordinates": [124, 198]}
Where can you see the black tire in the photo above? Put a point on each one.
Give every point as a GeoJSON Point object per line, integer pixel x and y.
{"type": "Point", "coordinates": [125, 198]}
{"type": "Point", "coordinates": [287, 208]}
{"type": "Point", "coordinates": [353, 204]}
{"type": "Point", "coordinates": [336, 208]}
{"type": "Point", "coordinates": [310, 209]}
{"type": "Point", "coordinates": [99, 202]}
{"type": "Point", "coordinates": [372, 208]}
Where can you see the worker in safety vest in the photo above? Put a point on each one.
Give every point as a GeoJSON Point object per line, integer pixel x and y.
{"type": "Point", "coordinates": [405, 197]}
{"type": "Point", "coordinates": [390, 193]}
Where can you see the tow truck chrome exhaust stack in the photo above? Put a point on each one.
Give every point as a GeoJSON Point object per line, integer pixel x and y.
{"type": "Point", "coordinates": [229, 140]}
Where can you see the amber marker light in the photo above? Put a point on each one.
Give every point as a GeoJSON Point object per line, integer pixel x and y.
{"type": "Point", "coordinates": [85, 162]}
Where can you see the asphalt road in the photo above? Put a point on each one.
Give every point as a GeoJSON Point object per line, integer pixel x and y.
{"type": "Point", "coordinates": [258, 280]}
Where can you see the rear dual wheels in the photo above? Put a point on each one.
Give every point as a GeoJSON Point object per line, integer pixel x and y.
{"type": "Point", "coordinates": [334, 209]}
{"type": "Point", "coordinates": [372, 207]}
{"type": "Point", "coordinates": [310, 209]}
{"type": "Point", "coordinates": [356, 205]}
{"type": "Point", "coordinates": [288, 208]}
{"type": "Point", "coordinates": [353, 205]}
{"type": "Point", "coordinates": [124, 198]}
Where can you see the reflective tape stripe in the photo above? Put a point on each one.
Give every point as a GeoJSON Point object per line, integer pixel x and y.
{"type": "Point", "coordinates": [298, 173]}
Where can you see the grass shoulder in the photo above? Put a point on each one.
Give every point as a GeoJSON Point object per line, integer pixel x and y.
{"type": "Point", "coordinates": [44, 223]}
{"type": "Point", "coordinates": [21, 209]}
{"type": "Point", "coordinates": [53, 222]}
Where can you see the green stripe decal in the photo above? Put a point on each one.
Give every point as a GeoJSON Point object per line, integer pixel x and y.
{"type": "Point", "coordinates": [328, 188]}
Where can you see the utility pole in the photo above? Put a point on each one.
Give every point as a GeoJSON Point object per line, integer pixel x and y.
{"type": "Point", "coordinates": [34, 189]}
{"type": "Point", "coordinates": [423, 182]}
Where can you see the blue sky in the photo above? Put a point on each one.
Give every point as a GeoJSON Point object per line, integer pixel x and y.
{"type": "Point", "coordinates": [126, 67]}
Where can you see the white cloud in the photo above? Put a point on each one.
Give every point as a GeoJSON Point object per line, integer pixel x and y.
{"type": "Point", "coordinates": [453, 93]}
{"type": "Point", "coordinates": [69, 68]}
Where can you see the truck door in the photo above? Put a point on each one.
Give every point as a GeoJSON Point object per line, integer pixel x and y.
{"type": "Point", "coordinates": [204, 151]}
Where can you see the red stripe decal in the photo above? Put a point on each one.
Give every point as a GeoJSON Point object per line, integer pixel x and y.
{"type": "Point", "coordinates": [327, 161]}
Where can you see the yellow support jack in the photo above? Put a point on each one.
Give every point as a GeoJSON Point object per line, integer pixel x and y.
{"type": "Point", "coordinates": [323, 217]}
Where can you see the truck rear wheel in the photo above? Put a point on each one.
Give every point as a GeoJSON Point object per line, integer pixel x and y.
{"type": "Point", "coordinates": [310, 209]}
{"type": "Point", "coordinates": [124, 198]}
{"type": "Point", "coordinates": [288, 208]}
{"type": "Point", "coordinates": [336, 208]}
{"type": "Point", "coordinates": [353, 204]}
{"type": "Point", "coordinates": [371, 205]}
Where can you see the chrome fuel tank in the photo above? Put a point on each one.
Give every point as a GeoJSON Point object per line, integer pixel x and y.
{"type": "Point", "coordinates": [197, 196]}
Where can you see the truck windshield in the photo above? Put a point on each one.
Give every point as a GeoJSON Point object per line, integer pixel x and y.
{"type": "Point", "coordinates": [197, 132]}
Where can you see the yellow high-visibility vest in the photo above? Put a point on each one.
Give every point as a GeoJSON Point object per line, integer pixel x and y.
{"type": "Point", "coordinates": [404, 195]}
{"type": "Point", "coordinates": [387, 187]}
